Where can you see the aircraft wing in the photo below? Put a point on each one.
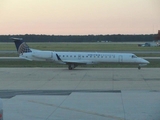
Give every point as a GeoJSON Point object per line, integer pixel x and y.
{"type": "Point", "coordinates": [74, 62]}
{"type": "Point", "coordinates": [10, 58]}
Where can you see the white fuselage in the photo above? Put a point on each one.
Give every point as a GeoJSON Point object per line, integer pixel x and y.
{"type": "Point", "coordinates": [83, 57]}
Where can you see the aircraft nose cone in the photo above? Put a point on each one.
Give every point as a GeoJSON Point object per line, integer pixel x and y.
{"type": "Point", "coordinates": [145, 61]}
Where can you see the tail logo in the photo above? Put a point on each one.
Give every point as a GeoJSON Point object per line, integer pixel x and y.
{"type": "Point", "coordinates": [23, 48]}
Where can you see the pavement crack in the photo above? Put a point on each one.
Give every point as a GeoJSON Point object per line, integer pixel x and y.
{"type": "Point", "coordinates": [80, 81]}
{"type": "Point", "coordinates": [76, 110]}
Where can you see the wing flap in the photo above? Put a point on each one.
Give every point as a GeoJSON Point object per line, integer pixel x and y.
{"type": "Point", "coordinates": [73, 62]}
{"type": "Point", "coordinates": [78, 62]}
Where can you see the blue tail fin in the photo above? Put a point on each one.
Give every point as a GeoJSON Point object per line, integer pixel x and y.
{"type": "Point", "coordinates": [21, 46]}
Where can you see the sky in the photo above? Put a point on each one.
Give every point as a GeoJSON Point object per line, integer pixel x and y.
{"type": "Point", "coordinates": [79, 17]}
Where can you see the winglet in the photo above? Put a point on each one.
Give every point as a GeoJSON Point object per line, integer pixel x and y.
{"type": "Point", "coordinates": [58, 57]}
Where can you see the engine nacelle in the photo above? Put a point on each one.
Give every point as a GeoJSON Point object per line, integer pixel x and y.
{"type": "Point", "coordinates": [42, 54]}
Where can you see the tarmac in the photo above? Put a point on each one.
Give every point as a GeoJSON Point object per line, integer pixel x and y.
{"type": "Point", "coordinates": [80, 94]}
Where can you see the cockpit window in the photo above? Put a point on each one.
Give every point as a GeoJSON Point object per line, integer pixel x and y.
{"type": "Point", "coordinates": [134, 56]}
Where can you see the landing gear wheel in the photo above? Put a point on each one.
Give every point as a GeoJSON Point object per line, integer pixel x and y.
{"type": "Point", "coordinates": [70, 67]}
{"type": "Point", "coordinates": [139, 67]}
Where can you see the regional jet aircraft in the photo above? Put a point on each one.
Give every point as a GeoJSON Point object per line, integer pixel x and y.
{"type": "Point", "coordinates": [73, 59]}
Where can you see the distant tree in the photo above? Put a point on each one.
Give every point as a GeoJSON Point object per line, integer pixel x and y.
{"type": "Point", "coordinates": [80, 38]}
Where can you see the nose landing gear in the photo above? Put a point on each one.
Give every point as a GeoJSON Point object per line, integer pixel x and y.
{"type": "Point", "coordinates": [140, 65]}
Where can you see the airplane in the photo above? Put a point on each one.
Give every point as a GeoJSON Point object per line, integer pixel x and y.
{"type": "Point", "coordinates": [155, 43]}
{"type": "Point", "coordinates": [73, 59]}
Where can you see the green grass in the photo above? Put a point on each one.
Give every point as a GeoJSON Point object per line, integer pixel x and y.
{"type": "Point", "coordinates": [81, 47]}
{"type": "Point", "coordinates": [91, 47]}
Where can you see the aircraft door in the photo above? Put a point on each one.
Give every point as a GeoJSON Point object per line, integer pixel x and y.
{"type": "Point", "coordinates": [120, 58]}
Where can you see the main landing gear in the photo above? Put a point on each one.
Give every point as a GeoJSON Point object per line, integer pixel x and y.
{"type": "Point", "coordinates": [139, 67]}
{"type": "Point", "coordinates": [71, 66]}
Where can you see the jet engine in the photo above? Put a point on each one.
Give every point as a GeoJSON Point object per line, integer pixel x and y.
{"type": "Point", "coordinates": [42, 54]}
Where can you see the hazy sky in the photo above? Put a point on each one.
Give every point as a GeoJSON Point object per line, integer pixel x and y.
{"type": "Point", "coordinates": [79, 17]}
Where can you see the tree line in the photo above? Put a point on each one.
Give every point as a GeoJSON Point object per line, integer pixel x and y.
{"type": "Point", "coordinates": [80, 38]}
